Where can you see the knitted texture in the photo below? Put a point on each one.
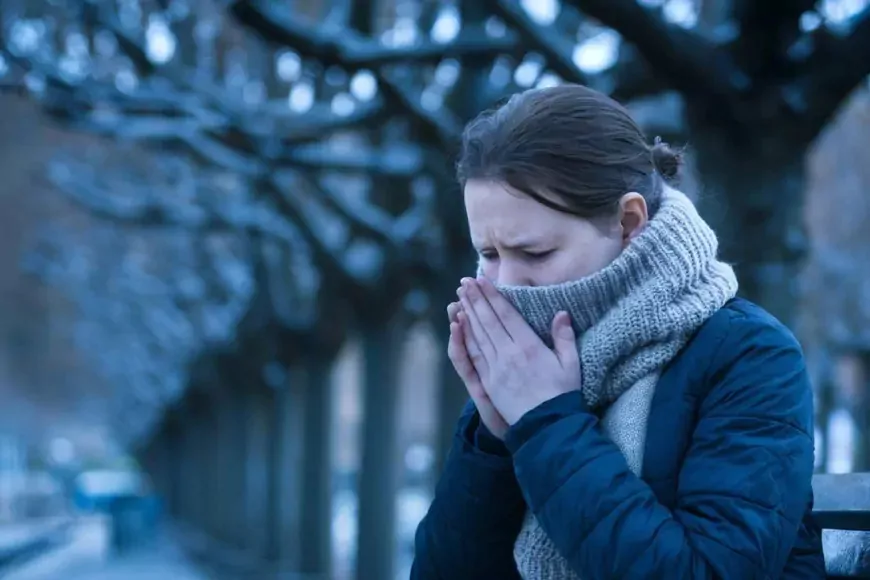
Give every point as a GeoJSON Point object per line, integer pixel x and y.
{"type": "Point", "coordinates": [631, 319]}
{"type": "Point", "coordinates": [634, 315]}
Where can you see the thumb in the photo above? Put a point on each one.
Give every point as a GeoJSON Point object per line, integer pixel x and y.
{"type": "Point", "coordinates": [564, 340]}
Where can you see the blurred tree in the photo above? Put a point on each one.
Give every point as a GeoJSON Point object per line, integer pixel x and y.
{"type": "Point", "coordinates": [341, 119]}
{"type": "Point", "coordinates": [753, 86]}
{"type": "Point", "coordinates": [147, 303]}
{"type": "Point", "coordinates": [359, 247]}
{"type": "Point", "coordinates": [836, 309]}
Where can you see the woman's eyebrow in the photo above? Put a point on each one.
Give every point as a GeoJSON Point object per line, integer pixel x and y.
{"type": "Point", "coordinates": [525, 244]}
{"type": "Point", "coordinates": [518, 244]}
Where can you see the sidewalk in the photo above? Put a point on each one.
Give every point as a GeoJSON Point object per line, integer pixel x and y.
{"type": "Point", "coordinates": [15, 533]}
{"type": "Point", "coordinates": [86, 557]}
{"type": "Point", "coordinates": [20, 538]}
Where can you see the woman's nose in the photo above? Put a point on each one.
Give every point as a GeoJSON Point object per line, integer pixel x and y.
{"type": "Point", "coordinates": [511, 274]}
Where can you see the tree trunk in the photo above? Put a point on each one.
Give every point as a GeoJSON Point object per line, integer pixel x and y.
{"type": "Point", "coordinates": [202, 429]}
{"type": "Point", "coordinates": [451, 392]}
{"type": "Point", "coordinates": [235, 457]}
{"type": "Point", "coordinates": [256, 468]}
{"type": "Point", "coordinates": [228, 438]}
{"type": "Point", "coordinates": [824, 389]}
{"type": "Point", "coordinates": [187, 505]}
{"type": "Point", "coordinates": [213, 472]}
{"type": "Point", "coordinates": [382, 348]}
{"type": "Point", "coordinates": [860, 408]}
{"type": "Point", "coordinates": [277, 414]}
{"type": "Point", "coordinates": [315, 541]}
{"type": "Point", "coordinates": [174, 461]}
{"type": "Point", "coordinates": [451, 397]}
{"type": "Point", "coordinates": [753, 197]}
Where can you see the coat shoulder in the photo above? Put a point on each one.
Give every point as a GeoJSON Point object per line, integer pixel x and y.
{"type": "Point", "coordinates": [736, 328]}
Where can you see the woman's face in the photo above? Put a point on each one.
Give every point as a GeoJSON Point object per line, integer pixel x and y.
{"type": "Point", "coordinates": [524, 243]}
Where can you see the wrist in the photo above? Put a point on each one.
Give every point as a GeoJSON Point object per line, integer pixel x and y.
{"type": "Point", "coordinates": [545, 414]}
{"type": "Point", "coordinates": [487, 442]}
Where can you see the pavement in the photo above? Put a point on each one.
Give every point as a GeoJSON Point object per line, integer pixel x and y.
{"type": "Point", "coordinates": [87, 557]}
{"type": "Point", "coordinates": [16, 533]}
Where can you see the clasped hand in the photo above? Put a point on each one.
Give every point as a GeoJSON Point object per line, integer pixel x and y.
{"type": "Point", "coordinates": [506, 367]}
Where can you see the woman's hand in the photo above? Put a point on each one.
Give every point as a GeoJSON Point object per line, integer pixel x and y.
{"type": "Point", "coordinates": [457, 351]}
{"type": "Point", "coordinates": [515, 368]}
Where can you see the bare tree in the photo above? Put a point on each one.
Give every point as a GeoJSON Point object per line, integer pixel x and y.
{"type": "Point", "coordinates": [151, 292]}
{"type": "Point", "coordinates": [342, 120]}
{"type": "Point", "coordinates": [754, 85]}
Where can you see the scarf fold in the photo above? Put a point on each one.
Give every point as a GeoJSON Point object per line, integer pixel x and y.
{"type": "Point", "coordinates": [635, 315]}
{"type": "Point", "coordinates": [631, 319]}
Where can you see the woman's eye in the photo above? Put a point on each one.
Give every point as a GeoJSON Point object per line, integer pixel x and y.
{"type": "Point", "coordinates": [538, 255]}
{"type": "Point", "coordinates": [489, 255]}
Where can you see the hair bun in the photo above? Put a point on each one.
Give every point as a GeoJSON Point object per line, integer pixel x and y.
{"type": "Point", "coordinates": [667, 161]}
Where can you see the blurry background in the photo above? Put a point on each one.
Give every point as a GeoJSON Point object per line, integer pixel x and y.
{"type": "Point", "coordinates": [230, 230]}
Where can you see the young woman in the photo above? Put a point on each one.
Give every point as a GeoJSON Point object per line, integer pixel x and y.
{"type": "Point", "coordinates": [631, 418]}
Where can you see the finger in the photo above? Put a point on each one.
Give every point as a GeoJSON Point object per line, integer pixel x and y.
{"type": "Point", "coordinates": [487, 317]}
{"type": "Point", "coordinates": [474, 385]}
{"type": "Point", "coordinates": [512, 321]}
{"type": "Point", "coordinates": [452, 310]}
{"type": "Point", "coordinates": [472, 345]}
{"type": "Point", "coordinates": [458, 356]}
{"type": "Point", "coordinates": [565, 342]}
{"type": "Point", "coordinates": [474, 328]}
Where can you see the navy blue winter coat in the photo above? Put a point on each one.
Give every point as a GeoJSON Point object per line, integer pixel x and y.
{"type": "Point", "coordinates": [725, 490]}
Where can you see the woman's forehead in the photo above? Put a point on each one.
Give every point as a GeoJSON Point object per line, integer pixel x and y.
{"type": "Point", "coordinates": [497, 215]}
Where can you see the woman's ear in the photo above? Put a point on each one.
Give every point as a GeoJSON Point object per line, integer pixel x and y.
{"type": "Point", "coordinates": [633, 216]}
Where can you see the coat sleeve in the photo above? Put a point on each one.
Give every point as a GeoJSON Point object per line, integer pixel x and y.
{"type": "Point", "coordinates": [742, 488]}
{"type": "Point", "coordinates": [476, 514]}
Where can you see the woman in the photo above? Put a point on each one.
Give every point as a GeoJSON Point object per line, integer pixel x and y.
{"type": "Point", "coordinates": [630, 417]}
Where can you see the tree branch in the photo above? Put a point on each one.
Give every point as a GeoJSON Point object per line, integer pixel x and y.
{"type": "Point", "coordinates": [99, 14]}
{"type": "Point", "coordinates": [329, 256]}
{"type": "Point", "coordinates": [630, 78]}
{"type": "Point", "coordinates": [78, 182]}
{"type": "Point", "coordinates": [217, 149]}
{"type": "Point", "coordinates": [285, 31]}
{"type": "Point", "coordinates": [406, 161]}
{"type": "Point", "coordinates": [397, 232]}
{"type": "Point", "coordinates": [557, 49]}
{"type": "Point", "coordinates": [398, 161]}
{"type": "Point", "coordinates": [333, 44]}
{"type": "Point", "coordinates": [633, 78]}
{"type": "Point", "coordinates": [440, 125]}
{"type": "Point", "coordinates": [767, 31]}
{"type": "Point", "coordinates": [684, 59]}
{"type": "Point", "coordinates": [321, 121]}
{"type": "Point", "coordinates": [834, 70]}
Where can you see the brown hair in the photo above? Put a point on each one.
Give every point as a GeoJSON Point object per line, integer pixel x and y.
{"type": "Point", "coordinates": [570, 143]}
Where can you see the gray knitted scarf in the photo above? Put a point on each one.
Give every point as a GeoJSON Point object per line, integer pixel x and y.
{"type": "Point", "coordinates": [631, 319]}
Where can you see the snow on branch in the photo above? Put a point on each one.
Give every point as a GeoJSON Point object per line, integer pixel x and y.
{"type": "Point", "coordinates": [326, 233]}
{"type": "Point", "coordinates": [283, 30]}
{"type": "Point", "coordinates": [334, 44]}
{"type": "Point", "coordinates": [689, 62]}
{"type": "Point", "coordinates": [146, 305]}
{"type": "Point", "coordinates": [836, 66]}
{"type": "Point", "coordinates": [556, 48]}
{"type": "Point", "coordinates": [397, 232]}
{"type": "Point", "coordinates": [124, 203]}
